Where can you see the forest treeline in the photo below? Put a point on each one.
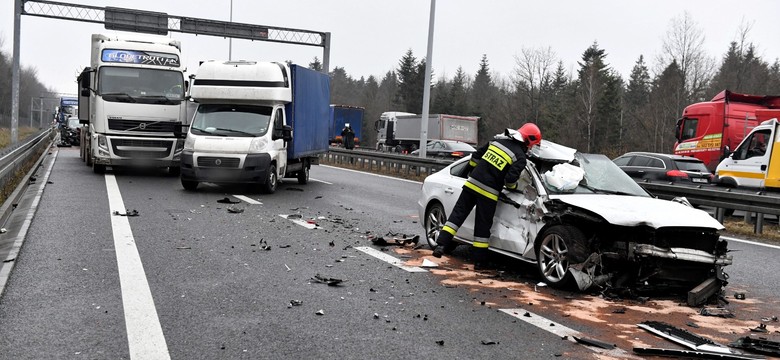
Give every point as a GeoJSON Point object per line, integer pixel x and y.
{"type": "Point", "coordinates": [30, 89]}
{"type": "Point", "coordinates": [592, 108]}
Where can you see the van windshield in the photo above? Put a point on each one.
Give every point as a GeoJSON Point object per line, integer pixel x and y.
{"type": "Point", "coordinates": [231, 120]}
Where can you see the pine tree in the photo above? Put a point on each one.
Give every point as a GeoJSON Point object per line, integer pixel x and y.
{"type": "Point", "coordinates": [316, 64]}
{"type": "Point", "coordinates": [410, 90]}
{"type": "Point", "coordinates": [637, 98]}
{"type": "Point", "coordinates": [458, 94]}
{"type": "Point", "coordinates": [590, 88]}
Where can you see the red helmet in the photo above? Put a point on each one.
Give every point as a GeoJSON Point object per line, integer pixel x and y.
{"type": "Point", "coordinates": [531, 134]}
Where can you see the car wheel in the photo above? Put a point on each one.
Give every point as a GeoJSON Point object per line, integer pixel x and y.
{"type": "Point", "coordinates": [269, 187]}
{"type": "Point", "coordinates": [189, 185]}
{"type": "Point", "coordinates": [303, 175]}
{"type": "Point", "coordinates": [435, 218]}
{"type": "Point", "coordinates": [559, 247]}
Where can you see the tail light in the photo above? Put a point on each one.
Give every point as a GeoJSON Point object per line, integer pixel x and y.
{"type": "Point", "coordinates": [676, 174]}
{"type": "Point", "coordinates": [457, 154]}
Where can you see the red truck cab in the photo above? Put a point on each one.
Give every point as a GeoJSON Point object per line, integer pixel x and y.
{"type": "Point", "coordinates": [707, 129]}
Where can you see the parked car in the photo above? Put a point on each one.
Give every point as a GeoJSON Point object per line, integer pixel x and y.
{"type": "Point", "coordinates": [666, 167]}
{"type": "Point", "coordinates": [448, 149]}
{"type": "Point", "coordinates": [583, 221]}
{"type": "Point", "coordinates": [70, 133]}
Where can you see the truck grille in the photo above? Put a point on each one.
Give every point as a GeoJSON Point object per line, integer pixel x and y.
{"type": "Point", "coordinates": [224, 162]}
{"type": "Point", "coordinates": [141, 125]}
{"type": "Point", "coordinates": [158, 149]}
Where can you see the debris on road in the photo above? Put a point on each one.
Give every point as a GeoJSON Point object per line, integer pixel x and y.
{"type": "Point", "coordinates": [761, 328]}
{"type": "Point", "coordinates": [760, 345]}
{"type": "Point", "coordinates": [326, 280]}
{"type": "Point", "coordinates": [294, 189]}
{"type": "Point", "coordinates": [403, 241]}
{"type": "Point", "coordinates": [621, 310]}
{"type": "Point", "coordinates": [429, 264]}
{"type": "Point", "coordinates": [3, 230]}
{"type": "Point", "coordinates": [183, 248]}
{"type": "Point", "coordinates": [288, 268]}
{"type": "Point", "coordinates": [234, 210]}
{"type": "Point", "coordinates": [128, 212]}
{"type": "Point", "coordinates": [739, 295]}
{"type": "Point", "coordinates": [768, 319]}
{"type": "Point", "coordinates": [719, 312]}
{"type": "Point", "coordinates": [440, 342]}
{"type": "Point", "coordinates": [689, 354]}
{"type": "Point", "coordinates": [320, 312]}
{"type": "Point", "coordinates": [594, 342]}
{"type": "Point", "coordinates": [294, 302]}
{"type": "Point", "coordinates": [227, 200]}
{"type": "Point", "coordinates": [700, 346]}
{"type": "Point", "coordinates": [489, 342]}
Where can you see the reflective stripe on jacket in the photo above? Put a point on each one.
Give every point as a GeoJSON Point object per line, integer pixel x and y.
{"type": "Point", "coordinates": [496, 164]}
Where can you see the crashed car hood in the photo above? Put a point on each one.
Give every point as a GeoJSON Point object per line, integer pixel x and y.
{"type": "Point", "coordinates": [636, 210]}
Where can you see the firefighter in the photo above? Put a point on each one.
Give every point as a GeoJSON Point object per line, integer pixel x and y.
{"type": "Point", "coordinates": [495, 165]}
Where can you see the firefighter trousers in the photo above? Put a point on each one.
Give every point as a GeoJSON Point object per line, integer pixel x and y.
{"type": "Point", "coordinates": [483, 221]}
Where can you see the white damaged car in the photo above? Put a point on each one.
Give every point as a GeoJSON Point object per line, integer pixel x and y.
{"type": "Point", "coordinates": [583, 221]}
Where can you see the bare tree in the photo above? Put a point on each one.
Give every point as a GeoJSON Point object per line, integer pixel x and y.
{"type": "Point", "coordinates": [684, 44]}
{"type": "Point", "coordinates": [532, 74]}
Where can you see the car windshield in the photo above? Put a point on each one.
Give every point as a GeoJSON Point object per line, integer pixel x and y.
{"type": "Point", "coordinates": [601, 176]}
{"type": "Point", "coordinates": [73, 123]}
{"type": "Point", "coordinates": [231, 120]}
{"type": "Point", "coordinates": [686, 165]}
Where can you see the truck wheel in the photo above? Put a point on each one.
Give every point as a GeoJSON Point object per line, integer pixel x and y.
{"type": "Point", "coordinates": [88, 158]}
{"type": "Point", "coordinates": [98, 168]}
{"type": "Point", "coordinates": [189, 185]}
{"type": "Point", "coordinates": [303, 175]}
{"type": "Point", "coordinates": [269, 187]}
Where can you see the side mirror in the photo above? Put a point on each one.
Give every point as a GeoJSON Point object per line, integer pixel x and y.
{"type": "Point", "coordinates": [726, 151]}
{"type": "Point", "coordinates": [284, 133]}
{"type": "Point", "coordinates": [180, 131]}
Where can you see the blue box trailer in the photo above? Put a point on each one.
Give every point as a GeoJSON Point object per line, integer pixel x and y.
{"type": "Point", "coordinates": [340, 115]}
{"type": "Point", "coordinates": [308, 113]}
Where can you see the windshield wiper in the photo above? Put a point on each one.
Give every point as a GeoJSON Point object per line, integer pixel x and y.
{"type": "Point", "coordinates": [237, 131]}
{"type": "Point", "coordinates": [605, 191]}
{"type": "Point", "coordinates": [120, 96]}
{"type": "Point", "coordinates": [206, 132]}
{"type": "Point", "coordinates": [161, 99]}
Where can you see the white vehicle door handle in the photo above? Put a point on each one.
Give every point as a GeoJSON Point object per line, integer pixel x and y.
{"type": "Point", "coordinates": [449, 191]}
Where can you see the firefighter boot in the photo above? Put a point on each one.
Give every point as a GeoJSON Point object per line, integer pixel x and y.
{"type": "Point", "coordinates": [445, 245]}
{"type": "Point", "coordinates": [481, 256]}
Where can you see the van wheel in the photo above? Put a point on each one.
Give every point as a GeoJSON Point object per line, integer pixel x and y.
{"type": "Point", "coordinates": [189, 185]}
{"type": "Point", "coordinates": [269, 187]}
{"type": "Point", "coordinates": [303, 175]}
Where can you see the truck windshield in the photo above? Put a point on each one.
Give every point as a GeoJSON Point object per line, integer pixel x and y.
{"type": "Point", "coordinates": [231, 120]}
{"type": "Point", "coordinates": [140, 85]}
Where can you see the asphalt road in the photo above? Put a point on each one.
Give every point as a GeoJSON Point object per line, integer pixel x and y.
{"type": "Point", "coordinates": [187, 279]}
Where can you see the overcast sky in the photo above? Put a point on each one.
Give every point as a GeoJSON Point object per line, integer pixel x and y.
{"type": "Point", "coordinates": [369, 37]}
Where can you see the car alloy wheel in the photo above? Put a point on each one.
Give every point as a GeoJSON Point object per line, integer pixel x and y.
{"type": "Point", "coordinates": [435, 218]}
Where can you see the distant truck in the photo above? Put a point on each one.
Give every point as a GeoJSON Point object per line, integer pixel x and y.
{"type": "Point", "coordinates": [709, 130]}
{"type": "Point", "coordinates": [131, 98]}
{"type": "Point", "coordinates": [755, 163]}
{"type": "Point", "coordinates": [256, 122]}
{"type": "Point", "coordinates": [400, 132]}
{"type": "Point", "coordinates": [340, 115]}
{"type": "Point", "coordinates": [68, 107]}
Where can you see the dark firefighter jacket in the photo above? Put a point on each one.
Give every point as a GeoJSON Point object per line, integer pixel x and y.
{"type": "Point", "coordinates": [495, 165]}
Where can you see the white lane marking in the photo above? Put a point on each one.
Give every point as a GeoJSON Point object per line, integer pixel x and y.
{"type": "Point", "coordinates": [7, 265]}
{"type": "Point", "coordinates": [561, 331]}
{"type": "Point", "coordinates": [389, 259]}
{"type": "Point", "coordinates": [321, 181]}
{"type": "Point", "coordinates": [144, 333]}
{"type": "Point", "coordinates": [750, 242]}
{"type": "Point", "coordinates": [300, 222]}
{"type": "Point", "coordinates": [368, 173]}
{"type": "Point", "coordinates": [247, 199]}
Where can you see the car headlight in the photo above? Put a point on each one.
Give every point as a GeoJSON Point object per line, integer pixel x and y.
{"type": "Point", "coordinates": [189, 143]}
{"type": "Point", "coordinates": [258, 145]}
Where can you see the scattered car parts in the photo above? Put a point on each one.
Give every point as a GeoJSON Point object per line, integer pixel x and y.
{"type": "Point", "coordinates": [760, 345]}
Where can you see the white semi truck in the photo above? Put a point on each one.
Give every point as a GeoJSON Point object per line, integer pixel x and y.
{"type": "Point", "coordinates": [400, 131]}
{"type": "Point", "coordinates": [131, 99]}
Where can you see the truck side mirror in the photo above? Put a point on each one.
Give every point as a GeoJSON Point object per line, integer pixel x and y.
{"type": "Point", "coordinates": [180, 131]}
{"type": "Point", "coordinates": [284, 133]}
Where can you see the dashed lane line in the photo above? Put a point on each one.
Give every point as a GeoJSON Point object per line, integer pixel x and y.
{"type": "Point", "coordinates": [247, 199]}
{"type": "Point", "coordinates": [389, 259]}
{"type": "Point", "coordinates": [321, 181]}
{"type": "Point", "coordinates": [561, 331]}
{"type": "Point", "coordinates": [144, 334]}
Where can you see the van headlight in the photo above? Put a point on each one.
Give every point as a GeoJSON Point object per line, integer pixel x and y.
{"type": "Point", "coordinates": [258, 145]}
{"type": "Point", "coordinates": [189, 143]}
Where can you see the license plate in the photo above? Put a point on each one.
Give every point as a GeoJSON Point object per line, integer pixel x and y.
{"type": "Point", "coordinates": [699, 180]}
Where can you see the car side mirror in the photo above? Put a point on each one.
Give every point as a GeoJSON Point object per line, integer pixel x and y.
{"type": "Point", "coordinates": [726, 151]}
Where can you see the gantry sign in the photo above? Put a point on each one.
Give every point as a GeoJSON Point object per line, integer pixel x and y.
{"type": "Point", "coordinates": [153, 23]}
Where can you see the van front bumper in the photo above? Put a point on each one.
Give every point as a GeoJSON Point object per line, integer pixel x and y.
{"type": "Point", "coordinates": [253, 170]}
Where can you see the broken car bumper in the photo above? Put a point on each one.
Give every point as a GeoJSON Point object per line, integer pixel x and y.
{"type": "Point", "coordinates": [682, 254]}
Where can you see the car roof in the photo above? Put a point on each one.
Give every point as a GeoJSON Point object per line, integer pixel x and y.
{"type": "Point", "coordinates": [668, 156]}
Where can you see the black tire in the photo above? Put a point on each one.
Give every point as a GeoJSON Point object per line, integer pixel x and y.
{"type": "Point", "coordinates": [399, 149]}
{"type": "Point", "coordinates": [88, 160]}
{"type": "Point", "coordinates": [303, 176]}
{"type": "Point", "coordinates": [98, 168]}
{"type": "Point", "coordinates": [269, 187]}
{"type": "Point", "coordinates": [435, 218]}
{"type": "Point", "coordinates": [559, 247]}
{"type": "Point", "coordinates": [189, 185]}
{"type": "Point", "coordinates": [174, 170]}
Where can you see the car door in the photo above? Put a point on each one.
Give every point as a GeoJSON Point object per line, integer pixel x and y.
{"type": "Point", "coordinates": [452, 187]}
{"type": "Point", "coordinates": [751, 158]}
{"type": "Point", "coordinates": [512, 224]}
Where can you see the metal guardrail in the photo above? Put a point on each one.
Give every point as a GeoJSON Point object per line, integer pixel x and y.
{"type": "Point", "coordinates": [721, 198]}
{"type": "Point", "coordinates": [14, 158]}
{"type": "Point", "coordinates": [375, 160]}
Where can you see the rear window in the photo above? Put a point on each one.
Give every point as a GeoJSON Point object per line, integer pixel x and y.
{"type": "Point", "coordinates": [686, 165]}
{"type": "Point", "coordinates": [622, 161]}
{"type": "Point", "coordinates": [647, 161]}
